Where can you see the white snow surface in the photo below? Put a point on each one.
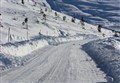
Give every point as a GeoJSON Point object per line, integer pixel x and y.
{"type": "Point", "coordinates": [65, 63]}
{"type": "Point", "coordinates": [103, 12]}
{"type": "Point", "coordinates": [56, 54]}
{"type": "Point", "coordinates": [13, 14]}
{"type": "Point", "coordinates": [106, 53]}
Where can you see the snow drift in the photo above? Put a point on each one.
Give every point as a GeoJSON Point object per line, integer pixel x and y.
{"type": "Point", "coordinates": [106, 53]}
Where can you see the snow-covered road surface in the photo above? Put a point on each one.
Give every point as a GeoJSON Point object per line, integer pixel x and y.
{"type": "Point", "coordinates": [65, 63]}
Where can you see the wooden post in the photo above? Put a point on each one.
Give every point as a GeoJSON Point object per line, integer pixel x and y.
{"type": "Point", "coordinates": [27, 34]}
{"type": "Point", "coordinates": [9, 35]}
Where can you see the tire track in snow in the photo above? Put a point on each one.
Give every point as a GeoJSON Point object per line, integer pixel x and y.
{"type": "Point", "coordinates": [65, 63]}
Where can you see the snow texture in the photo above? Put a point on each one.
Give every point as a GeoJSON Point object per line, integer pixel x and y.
{"type": "Point", "coordinates": [106, 53]}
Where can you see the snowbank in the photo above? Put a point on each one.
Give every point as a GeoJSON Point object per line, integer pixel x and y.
{"type": "Point", "coordinates": [22, 48]}
{"type": "Point", "coordinates": [18, 53]}
{"type": "Point", "coordinates": [106, 53]}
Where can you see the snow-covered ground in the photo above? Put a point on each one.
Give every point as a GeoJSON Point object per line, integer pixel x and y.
{"type": "Point", "coordinates": [53, 30]}
{"type": "Point", "coordinates": [65, 63]}
{"type": "Point", "coordinates": [106, 53]}
{"type": "Point", "coordinates": [13, 14]}
{"type": "Point", "coordinates": [104, 12]}
{"type": "Point", "coordinates": [51, 50]}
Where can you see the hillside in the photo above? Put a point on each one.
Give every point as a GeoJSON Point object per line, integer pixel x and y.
{"type": "Point", "coordinates": [104, 12]}
{"type": "Point", "coordinates": [42, 45]}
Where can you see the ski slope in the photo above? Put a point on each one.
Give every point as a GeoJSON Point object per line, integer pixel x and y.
{"type": "Point", "coordinates": [65, 63]}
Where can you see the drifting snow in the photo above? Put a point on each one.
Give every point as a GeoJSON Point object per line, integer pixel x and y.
{"type": "Point", "coordinates": [106, 53]}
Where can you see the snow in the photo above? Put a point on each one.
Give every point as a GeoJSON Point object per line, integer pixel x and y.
{"type": "Point", "coordinates": [106, 53]}
{"type": "Point", "coordinates": [104, 12]}
{"type": "Point", "coordinates": [21, 49]}
{"type": "Point", "coordinates": [53, 51]}
{"type": "Point", "coordinates": [12, 17]}
{"type": "Point", "coordinates": [54, 27]}
{"type": "Point", "coordinates": [65, 63]}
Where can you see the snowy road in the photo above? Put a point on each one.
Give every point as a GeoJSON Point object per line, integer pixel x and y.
{"type": "Point", "coordinates": [65, 63]}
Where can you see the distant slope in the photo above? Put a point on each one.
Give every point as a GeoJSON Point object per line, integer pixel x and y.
{"type": "Point", "coordinates": [104, 12]}
{"type": "Point", "coordinates": [13, 14]}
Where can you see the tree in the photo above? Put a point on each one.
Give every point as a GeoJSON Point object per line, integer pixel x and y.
{"type": "Point", "coordinates": [116, 34]}
{"type": "Point", "coordinates": [40, 33]}
{"type": "Point", "coordinates": [64, 18]}
{"type": "Point", "coordinates": [82, 23]}
{"type": "Point", "coordinates": [26, 22]}
{"type": "Point", "coordinates": [35, 4]}
{"type": "Point", "coordinates": [37, 21]}
{"type": "Point", "coordinates": [46, 9]}
{"type": "Point", "coordinates": [23, 23]}
{"type": "Point", "coordinates": [73, 20]}
{"type": "Point", "coordinates": [55, 13]}
{"type": "Point", "coordinates": [41, 11]}
{"type": "Point", "coordinates": [22, 1]}
{"type": "Point", "coordinates": [99, 28]}
{"type": "Point", "coordinates": [44, 16]}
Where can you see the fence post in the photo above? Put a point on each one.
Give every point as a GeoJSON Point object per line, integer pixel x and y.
{"type": "Point", "coordinates": [9, 34]}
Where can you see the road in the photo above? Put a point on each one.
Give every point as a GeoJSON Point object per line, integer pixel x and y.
{"type": "Point", "coordinates": [65, 63]}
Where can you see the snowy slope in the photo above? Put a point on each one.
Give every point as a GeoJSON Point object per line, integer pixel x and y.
{"type": "Point", "coordinates": [50, 54]}
{"type": "Point", "coordinates": [104, 12]}
{"type": "Point", "coordinates": [106, 53]}
{"type": "Point", "coordinates": [13, 14]}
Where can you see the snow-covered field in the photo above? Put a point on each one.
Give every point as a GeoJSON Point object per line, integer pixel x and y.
{"type": "Point", "coordinates": [50, 50]}
{"type": "Point", "coordinates": [104, 12]}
